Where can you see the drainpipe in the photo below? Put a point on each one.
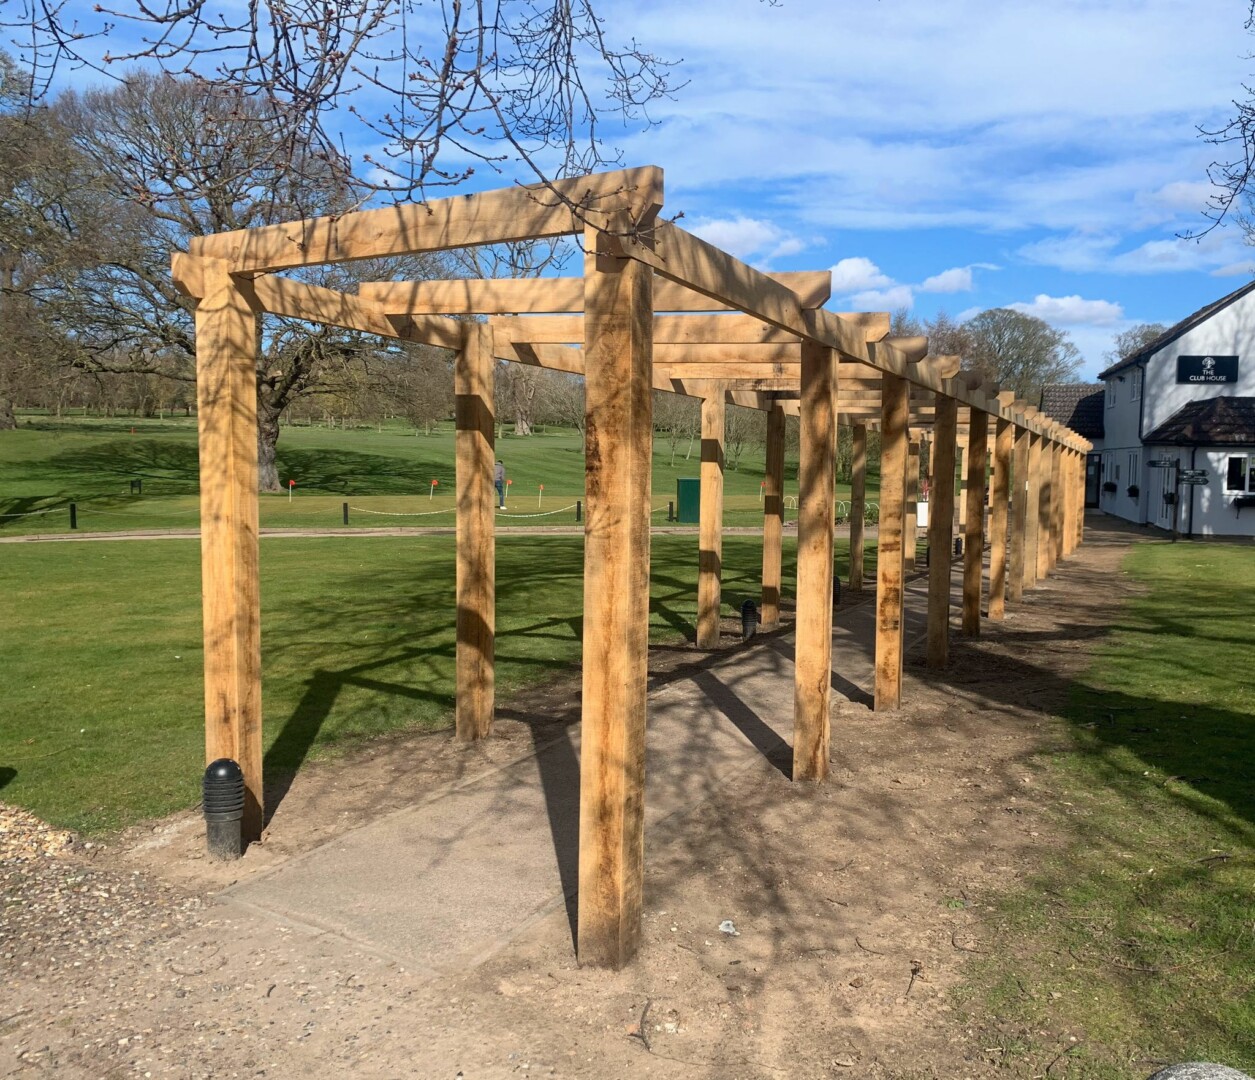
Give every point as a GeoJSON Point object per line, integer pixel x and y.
{"type": "Point", "coordinates": [1190, 520]}
{"type": "Point", "coordinates": [1143, 504]}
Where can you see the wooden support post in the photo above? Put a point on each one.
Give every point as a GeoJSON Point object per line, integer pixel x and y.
{"type": "Point", "coordinates": [960, 499]}
{"type": "Point", "coordinates": [1081, 465]}
{"type": "Point", "coordinates": [974, 531]}
{"type": "Point", "coordinates": [773, 517]}
{"type": "Point", "coordinates": [226, 397]}
{"type": "Point", "coordinates": [910, 531]}
{"type": "Point", "coordinates": [618, 438]}
{"type": "Point", "coordinates": [1080, 498]}
{"type": "Point", "coordinates": [1044, 543]}
{"type": "Point", "coordinates": [858, 504]}
{"type": "Point", "coordinates": [1032, 515]}
{"type": "Point", "coordinates": [1069, 504]}
{"type": "Point", "coordinates": [815, 532]}
{"type": "Point", "coordinates": [1019, 516]}
{"type": "Point", "coordinates": [999, 497]}
{"type": "Point", "coordinates": [889, 562]}
{"type": "Point", "coordinates": [941, 530]}
{"type": "Point", "coordinates": [473, 377]}
{"type": "Point", "coordinates": [710, 530]}
{"type": "Point", "coordinates": [1056, 505]}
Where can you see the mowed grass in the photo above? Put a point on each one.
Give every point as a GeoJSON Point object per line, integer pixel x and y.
{"type": "Point", "coordinates": [1139, 942]}
{"type": "Point", "coordinates": [385, 476]}
{"type": "Point", "coordinates": [102, 659]}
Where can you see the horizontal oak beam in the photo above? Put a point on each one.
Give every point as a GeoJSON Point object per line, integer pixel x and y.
{"type": "Point", "coordinates": [526, 212]}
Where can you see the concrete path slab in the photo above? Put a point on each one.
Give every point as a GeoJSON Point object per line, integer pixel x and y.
{"type": "Point", "coordinates": [443, 885]}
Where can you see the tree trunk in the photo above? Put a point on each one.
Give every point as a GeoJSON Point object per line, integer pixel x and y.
{"type": "Point", "coordinates": [7, 420]}
{"type": "Point", "coordinates": [267, 440]}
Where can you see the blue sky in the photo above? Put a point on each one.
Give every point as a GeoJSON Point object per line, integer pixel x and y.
{"type": "Point", "coordinates": [960, 155]}
{"type": "Point", "coordinates": [955, 155]}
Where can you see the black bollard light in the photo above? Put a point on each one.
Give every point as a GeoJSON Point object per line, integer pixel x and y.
{"type": "Point", "coordinates": [749, 620]}
{"type": "Point", "coordinates": [579, 511]}
{"type": "Point", "coordinates": [73, 516]}
{"type": "Point", "coordinates": [345, 508]}
{"type": "Point", "coordinates": [928, 555]}
{"type": "Point", "coordinates": [671, 511]}
{"type": "Point", "coordinates": [958, 545]}
{"type": "Point", "coordinates": [223, 789]}
{"type": "Point", "coordinates": [836, 590]}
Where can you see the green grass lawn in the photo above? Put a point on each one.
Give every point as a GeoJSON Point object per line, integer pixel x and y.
{"type": "Point", "coordinates": [385, 475]}
{"type": "Point", "coordinates": [1140, 939]}
{"type": "Point", "coordinates": [101, 652]}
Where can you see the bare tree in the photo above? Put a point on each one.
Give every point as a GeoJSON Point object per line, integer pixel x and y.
{"type": "Point", "coordinates": [563, 398]}
{"type": "Point", "coordinates": [1132, 340]}
{"type": "Point", "coordinates": [1020, 351]}
{"type": "Point", "coordinates": [743, 429]}
{"type": "Point", "coordinates": [444, 87]}
{"type": "Point", "coordinates": [677, 417]}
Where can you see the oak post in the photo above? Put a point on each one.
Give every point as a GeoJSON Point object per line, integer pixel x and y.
{"type": "Point", "coordinates": [941, 530]}
{"type": "Point", "coordinates": [473, 378]}
{"type": "Point", "coordinates": [773, 517]}
{"type": "Point", "coordinates": [999, 498]}
{"type": "Point", "coordinates": [1044, 544]}
{"type": "Point", "coordinates": [227, 340]}
{"type": "Point", "coordinates": [910, 534]}
{"type": "Point", "coordinates": [1019, 515]}
{"type": "Point", "coordinates": [815, 532]}
{"type": "Point", "coordinates": [618, 329]}
{"type": "Point", "coordinates": [1056, 505]}
{"type": "Point", "coordinates": [1068, 529]}
{"type": "Point", "coordinates": [960, 498]}
{"type": "Point", "coordinates": [974, 530]}
{"type": "Point", "coordinates": [858, 504]}
{"type": "Point", "coordinates": [889, 555]}
{"type": "Point", "coordinates": [710, 530]}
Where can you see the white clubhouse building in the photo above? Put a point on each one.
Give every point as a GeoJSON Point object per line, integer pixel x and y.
{"type": "Point", "coordinates": [1177, 441]}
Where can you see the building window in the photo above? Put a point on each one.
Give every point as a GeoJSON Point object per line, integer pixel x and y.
{"type": "Point", "coordinates": [1133, 467]}
{"type": "Point", "coordinates": [1241, 475]}
{"type": "Point", "coordinates": [1135, 384]}
{"type": "Point", "coordinates": [1111, 394]}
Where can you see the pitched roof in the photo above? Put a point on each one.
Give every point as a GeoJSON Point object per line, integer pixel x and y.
{"type": "Point", "coordinates": [1173, 332]}
{"type": "Point", "coordinates": [1078, 405]}
{"type": "Point", "coordinates": [1218, 421]}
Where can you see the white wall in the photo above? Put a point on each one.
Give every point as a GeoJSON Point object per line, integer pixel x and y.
{"type": "Point", "coordinates": [1213, 506]}
{"type": "Point", "coordinates": [1227, 333]}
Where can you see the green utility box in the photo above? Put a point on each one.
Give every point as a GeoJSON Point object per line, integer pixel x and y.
{"type": "Point", "coordinates": [688, 500]}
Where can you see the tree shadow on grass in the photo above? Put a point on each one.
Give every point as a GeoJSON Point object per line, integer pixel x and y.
{"type": "Point", "coordinates": [170, 466]}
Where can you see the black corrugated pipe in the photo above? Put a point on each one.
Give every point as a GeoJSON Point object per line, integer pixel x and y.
{"type": "Point", "coordinates": [749, 620]}
{"type": "Point", "coordinates": [223, 789]}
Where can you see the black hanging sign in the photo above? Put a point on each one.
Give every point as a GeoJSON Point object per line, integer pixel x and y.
{"type": "Point", "coordinates": [1207, 369]}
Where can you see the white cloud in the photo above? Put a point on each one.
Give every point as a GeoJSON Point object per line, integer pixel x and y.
{"type": "Point", "coordinates": [1088, 252]}
{"type": "Point", "coordinates": [1071, 310]}
{"type": "Point", "coordinates": [856, 274]}
{"type": "Point", "coordinates": [957, 279]}
{"type": "Point", "coordinates": [748, 238]}
{"type": "Point", "coordinates": [1237, 269]}
{"type": "Point", "coordinates": [890, 299]}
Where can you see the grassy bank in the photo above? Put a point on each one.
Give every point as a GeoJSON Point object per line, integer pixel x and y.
{"type": "Point", "coordinates": [101, 652]}
{"type": "Point", "coordinates": [385, 475]}
{"type": "Point", "coordinates": [1138, 941]}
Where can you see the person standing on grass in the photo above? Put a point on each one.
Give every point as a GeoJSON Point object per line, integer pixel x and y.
{"type": "Point", "coordinates": [498, 479]}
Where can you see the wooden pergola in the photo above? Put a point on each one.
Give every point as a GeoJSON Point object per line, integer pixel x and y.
{"type": "Point", "coordinates": [656, 308]}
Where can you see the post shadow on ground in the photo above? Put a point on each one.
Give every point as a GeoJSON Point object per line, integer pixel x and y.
{"type": "Point", "coordinates": [7, 774]}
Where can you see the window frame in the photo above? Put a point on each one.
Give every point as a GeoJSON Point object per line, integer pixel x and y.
{"type": "Point", "coordinates": [1247, 473]}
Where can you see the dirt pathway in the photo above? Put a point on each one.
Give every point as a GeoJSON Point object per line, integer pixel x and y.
{"type": "Point", "coordinates": [856, 904]}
